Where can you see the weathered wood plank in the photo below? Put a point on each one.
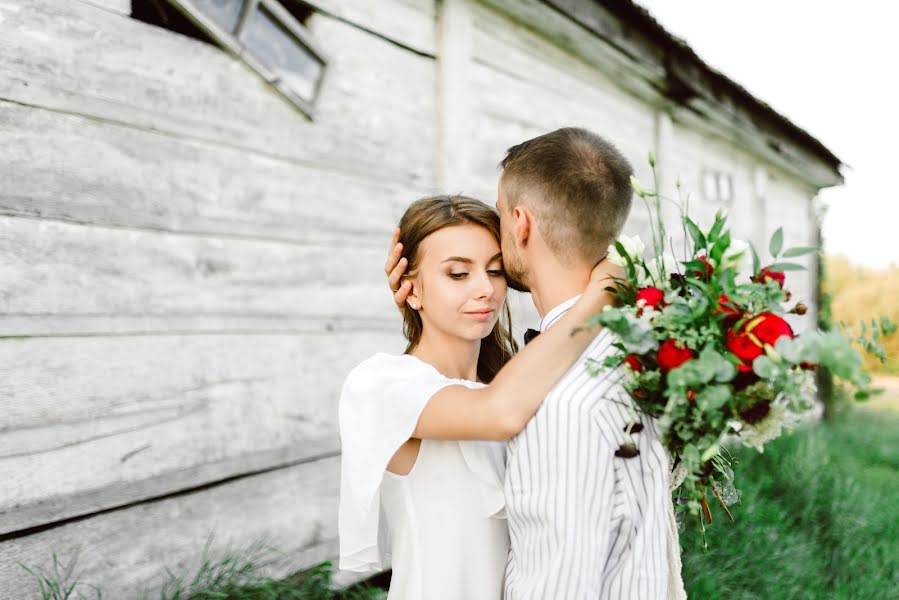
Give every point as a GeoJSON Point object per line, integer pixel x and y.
{"type": "Point", "coordinates": [406, 22]}
{"type": "Point", "coordinates": [78, 169]}
{"type": "Point", "coordinates": [124, 551]}
{"type": "Point", "coordinates": [56, 268]}
{"type": "Point", "coordinates": [122, 7]}
{"type": "Point", "coordinates": [91, 423]}
{"type": "Point", "coordinates": [375, 114]}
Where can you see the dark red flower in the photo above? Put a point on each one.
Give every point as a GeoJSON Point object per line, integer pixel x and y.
{"type": "Point", "coordinates": [671, 356]}
{"type": "Point", "coordinates": [709, 269]}
{"type": "Point", "coordinates": [766, 274]}
{"type": "Point", "coordinates": [728, 308]}
{"type": "Point", "coordinates": [768, 328]}
{"type": "Point", "coordinates": [749, 343]}
{"type": "Point", "coordinates": [633, 362]}
{"type": "Point", "coordinates": [799, 309]}
{"type": "Point", "coordinates": [744, 348]}
{"type": "Point", "coordinates": [652, 296]}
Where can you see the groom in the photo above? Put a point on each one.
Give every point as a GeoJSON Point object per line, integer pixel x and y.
{"type": "Point", "coordinates": [587, 509]}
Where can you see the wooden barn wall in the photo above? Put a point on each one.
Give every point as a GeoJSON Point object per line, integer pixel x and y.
{"type": "Point", "coordinates": [190, 268]}
{"type": "Point", "coordinates": [191, 265]}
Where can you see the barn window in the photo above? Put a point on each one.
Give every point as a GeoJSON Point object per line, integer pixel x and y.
{"type": "Point", "coordinates": [269, 35]}
{"type": "Point", "coordinates": [718, 187]}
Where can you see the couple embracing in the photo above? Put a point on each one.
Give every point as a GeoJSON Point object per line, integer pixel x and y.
{"type": "Point", "coordinates": [479, 471]}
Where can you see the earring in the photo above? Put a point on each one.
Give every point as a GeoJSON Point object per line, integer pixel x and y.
{"type": "Point", "coordinates": [413, 305]}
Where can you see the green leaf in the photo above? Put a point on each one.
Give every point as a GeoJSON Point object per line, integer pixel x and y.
{"type": "Point", "coordinates": [802, 251]}
{"type": "Point", "coordinates": [756, 263]}
{"type": "Point", "coordinates": [786, 266]}
{"type": "Point", "coordinates": [713, 397]}
{"type": "Point", "coordinates": [716, 228]}
{"type": "Point", "coordinates": [777, 242]}
{"type": "Point", "coordinates": [695, 233]}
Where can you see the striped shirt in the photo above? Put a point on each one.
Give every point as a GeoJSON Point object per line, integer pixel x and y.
{"type": "Point", "coordinates": [583, 522]}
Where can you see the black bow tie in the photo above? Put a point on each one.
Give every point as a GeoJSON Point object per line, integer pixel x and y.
{"type": "Point", "coordinates": [529, 335]}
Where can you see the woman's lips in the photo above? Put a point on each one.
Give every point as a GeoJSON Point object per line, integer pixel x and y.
{"type": "Point", "coordinates": [480, 315]}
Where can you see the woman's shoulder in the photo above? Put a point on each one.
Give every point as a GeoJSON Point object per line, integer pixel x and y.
{"type": "Point", "coordinates": [383, 370]}
{"type": "Point", "coordinates": [383, 365]}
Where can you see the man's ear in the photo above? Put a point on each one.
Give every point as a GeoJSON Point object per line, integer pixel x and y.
{"type": "Point", "coordinates": [522, 223]}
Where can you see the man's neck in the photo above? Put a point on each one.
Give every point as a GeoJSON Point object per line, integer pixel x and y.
{"type": "Point", "coordinates": [553, 285]}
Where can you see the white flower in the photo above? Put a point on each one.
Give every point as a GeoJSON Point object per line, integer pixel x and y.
{"type": "Point", "coordinates": [769, 428]}
{"type": "Point", "coordinates": [659, 270]}
{"type": "Point", "coordinates": [633, 246]}
{"type": "Point", "coordinates": [737, 256]}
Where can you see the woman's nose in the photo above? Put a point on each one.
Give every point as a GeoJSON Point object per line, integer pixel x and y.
{"type": "Point", "coordinates": [485, 286]}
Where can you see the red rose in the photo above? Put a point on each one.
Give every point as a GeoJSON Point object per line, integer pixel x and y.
{"type": "Point", "coordinates": [744, 348]}
{"type": "Point", "coordinates": [633, 362]}
{"type": "Point", "coordinates": [709, 269]}
{"type": "Point", "coordinates": [728, 308]}
{"type": "Point", "coordinates": [766, 274]}
{"type": "Point", "coordinates": [768, 328]}
{"type": "Point", "coordinates": [671, 356]}
{"type": "Point", "coordinates": [750, 341]}
{"type": "Point", "coordinates": [653, 297]}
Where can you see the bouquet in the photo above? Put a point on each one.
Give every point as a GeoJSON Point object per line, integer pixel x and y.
{"type": "Point", "coordinates": [710, 353]}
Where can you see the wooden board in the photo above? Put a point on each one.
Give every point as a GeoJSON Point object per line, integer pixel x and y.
{"type": "Point", "coordinates": [374, 116]}
{"type": "Point", "coordinates": [54, 268]}
{"type": "Point", "coordinates": [91, 423]}
{"type": "Point", "coordinates": [122, 7]}
{"type": "Point", "coordinates": [406, 22]}
{"type": "Point", "coordinates": [83, 170]}
{"type": "Point", "coordinates": [125, 551]}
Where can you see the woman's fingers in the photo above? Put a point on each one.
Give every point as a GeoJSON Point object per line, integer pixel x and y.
{"type": "Point", "coordinates": [396, 275]}
{"type": "Point", "coordinates": [394, 255]}
{"type": "Point", "coordinates": [402, 293]}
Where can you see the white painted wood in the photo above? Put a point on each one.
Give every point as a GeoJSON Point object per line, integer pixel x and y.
{"type": "Point", "coordinates": [78, 270]}
{"type": "Point", "coordinates": [82, 170]}
{"type": "Point", "coordinates": [92, 423]}
{"type": "Point", "coordinates": [122, 7]}
{"type": "Point", "coordinates": [374, 116]}
{"type": "Point", "coordinates": [125, 551]}
{"type": "Point", "coordinates": [406, 22]}
{"type": "Point", "coordinates": [455, 32]}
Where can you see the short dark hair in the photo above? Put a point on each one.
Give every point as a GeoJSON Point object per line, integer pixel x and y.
{"type": "Point", "coordinates": [577, 184]}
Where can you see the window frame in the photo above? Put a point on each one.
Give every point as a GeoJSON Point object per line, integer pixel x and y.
{"type": "Point", "coordinates": [231, 41]}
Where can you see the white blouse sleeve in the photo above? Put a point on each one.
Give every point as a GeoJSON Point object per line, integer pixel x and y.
{"type": "Point", "coordinates": [380, 404]}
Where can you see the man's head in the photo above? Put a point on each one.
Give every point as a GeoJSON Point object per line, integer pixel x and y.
{"type": "Point", "coordinates": [571, 188]}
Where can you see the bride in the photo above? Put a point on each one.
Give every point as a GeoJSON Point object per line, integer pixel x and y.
{"type": "Point", "coordinates": [422, 466]}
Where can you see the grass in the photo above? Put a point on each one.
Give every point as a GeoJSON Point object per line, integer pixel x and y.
{"type": "Point", "coordinates": [819, 518]}
{"type": "Point", "coordinates": [240, 575]}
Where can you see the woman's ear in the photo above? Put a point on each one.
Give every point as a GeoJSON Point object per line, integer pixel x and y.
{"type": "Point", "coordinates": [413, 299]}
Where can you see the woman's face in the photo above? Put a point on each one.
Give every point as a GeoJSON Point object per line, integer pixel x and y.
{"type": "Point", "coordinates": [459, 286]}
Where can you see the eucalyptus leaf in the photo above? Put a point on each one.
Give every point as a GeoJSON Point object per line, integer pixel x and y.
{"type": "Point", "coordinates": [786, 266]}
{"type": "Point", "coordinates": [777, 242]}
{"type": "Point", "coordinates": [801, 251]}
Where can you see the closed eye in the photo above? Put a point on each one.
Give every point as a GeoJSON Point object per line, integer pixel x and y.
{"type": "Point", "coordinates": [497, 273]}
{"type": "Point", "coordinates": [458, 275]}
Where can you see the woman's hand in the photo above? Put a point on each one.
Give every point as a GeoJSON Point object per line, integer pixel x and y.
{"type": "Point", "coordinates": [394, 268]}
{"type": "Point", "coordinates": [603, 272]}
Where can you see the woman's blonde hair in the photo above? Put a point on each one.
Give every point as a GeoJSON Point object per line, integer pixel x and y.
{"type": "Point", "coordinates": [420, 220]}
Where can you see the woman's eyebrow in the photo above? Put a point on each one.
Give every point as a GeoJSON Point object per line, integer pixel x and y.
{"type": "Point", "coordinates": [468, 261]}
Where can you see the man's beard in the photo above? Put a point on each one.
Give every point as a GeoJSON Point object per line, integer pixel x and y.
{"type": "Point", "coordinates": [515, 277]}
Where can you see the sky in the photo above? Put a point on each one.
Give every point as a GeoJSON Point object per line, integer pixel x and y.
{"type": "Point", "coordinates": [830, 67]}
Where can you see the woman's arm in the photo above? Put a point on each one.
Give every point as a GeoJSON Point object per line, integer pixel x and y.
{"type": "Point", "coordinates": [502, 409]}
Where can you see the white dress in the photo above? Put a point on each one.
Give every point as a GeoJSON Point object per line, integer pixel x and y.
{"type": "Point", "coordinates": [442, 527]}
